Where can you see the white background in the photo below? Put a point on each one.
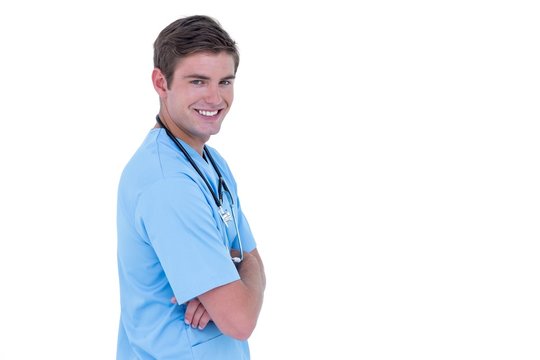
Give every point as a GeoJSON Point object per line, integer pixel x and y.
{"type": "Point", "coordinates": [387, 155]}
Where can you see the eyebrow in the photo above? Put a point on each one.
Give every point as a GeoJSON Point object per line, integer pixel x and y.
{"type": "Point", "coordinates": [204, 77]}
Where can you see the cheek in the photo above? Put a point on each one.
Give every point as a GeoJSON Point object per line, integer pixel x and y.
{"type": "Point", "coordinates": [229, 95]}
{"type": "Point", "coordinates": [179, 99]}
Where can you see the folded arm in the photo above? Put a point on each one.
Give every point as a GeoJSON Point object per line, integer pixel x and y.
{"type": "Point", "coordinates": [233, 307]}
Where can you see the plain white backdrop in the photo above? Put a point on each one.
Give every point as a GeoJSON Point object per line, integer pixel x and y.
{"type": "Point", "coordinates": [387, 155]}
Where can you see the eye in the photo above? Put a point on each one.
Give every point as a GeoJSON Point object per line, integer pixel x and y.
{"type": "Point", "coordinates": [226, 82]}
{"type": "Point", "coordinates": [197, 82]}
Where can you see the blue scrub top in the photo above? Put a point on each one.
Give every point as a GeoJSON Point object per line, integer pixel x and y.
{"type": "Point", "coordinates": [173, 242]}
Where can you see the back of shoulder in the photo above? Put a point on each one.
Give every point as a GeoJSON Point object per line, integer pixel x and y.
{"type": "Point", "coordinates": [153, 161]}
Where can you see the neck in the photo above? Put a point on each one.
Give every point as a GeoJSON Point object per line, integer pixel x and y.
{"type": "Point", "coordinates": [178, 133]}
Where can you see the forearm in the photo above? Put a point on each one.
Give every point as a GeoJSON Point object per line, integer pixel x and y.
{"type": "Point", "coordinates": [235, 307]}
{"type": "Point", "coordinates": [252, 277]}
{"type": "Point", "coordinates": [263, 275]}
{"type": "Point", "coordinates": [252, 280]}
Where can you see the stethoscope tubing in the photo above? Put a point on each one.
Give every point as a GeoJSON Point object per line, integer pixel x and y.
{"type": "Point", "coordinates": [222, 185]}
{"type": "Point", "coordinates": [221, 182]}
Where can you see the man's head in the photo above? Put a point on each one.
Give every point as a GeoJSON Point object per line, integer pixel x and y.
{"type": "Point", "coordinates": [188, 36]}
{"type": "Point", "coordinates": [195, 67]}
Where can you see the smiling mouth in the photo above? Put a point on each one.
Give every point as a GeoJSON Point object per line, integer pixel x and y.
{"type": "Point", "coordinates": [208, 113]}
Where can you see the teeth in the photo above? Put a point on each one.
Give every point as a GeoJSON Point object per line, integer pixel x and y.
{"type": "Point", "coordinates": [208, 113]}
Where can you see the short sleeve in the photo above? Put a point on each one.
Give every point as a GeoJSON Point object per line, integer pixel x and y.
{"type": "Point", "coordinates": [182, 230]}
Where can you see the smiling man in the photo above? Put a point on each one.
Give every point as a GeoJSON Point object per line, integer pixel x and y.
{"type": "Point", "coordinates": [191, 278]}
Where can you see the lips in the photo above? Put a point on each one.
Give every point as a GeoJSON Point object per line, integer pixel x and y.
{"type": "Point", "coordinates": [208, 113]}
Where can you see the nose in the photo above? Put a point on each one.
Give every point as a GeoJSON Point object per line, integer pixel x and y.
{"type": "Point", "coordinates": [213, 95]}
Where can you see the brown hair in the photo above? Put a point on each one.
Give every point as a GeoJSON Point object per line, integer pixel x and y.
{"type": "Point", "coordinates": [187, 36]}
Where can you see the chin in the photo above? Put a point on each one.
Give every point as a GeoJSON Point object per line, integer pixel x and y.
{"type": "Point", "coordinates": [214, 131]}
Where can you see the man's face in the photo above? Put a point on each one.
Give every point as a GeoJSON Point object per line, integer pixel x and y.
{"type": "Point", "coordinates": [199, 96]}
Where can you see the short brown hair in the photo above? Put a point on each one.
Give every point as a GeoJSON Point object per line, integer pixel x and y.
{"type": "Point", "coordinates": [187, 36]}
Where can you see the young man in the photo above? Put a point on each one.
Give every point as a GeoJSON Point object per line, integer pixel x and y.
{"type": "Point", "coordinates": [191, 279]}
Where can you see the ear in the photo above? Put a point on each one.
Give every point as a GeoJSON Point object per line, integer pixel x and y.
{"type": "Point", "coordinates": [159, 82]}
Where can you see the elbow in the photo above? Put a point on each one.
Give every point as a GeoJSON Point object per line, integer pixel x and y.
{"type": "Point", "coordinates": [242, 333]}
{"type": "Point", "coordinates": [240, 330]}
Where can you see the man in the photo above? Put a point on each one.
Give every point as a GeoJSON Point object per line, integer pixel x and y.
{"type": "Point", "coordinates": [191, 279]}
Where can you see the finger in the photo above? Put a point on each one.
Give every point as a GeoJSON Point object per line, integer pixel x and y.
{"type": "Point", "coordinates": [205, 319]}
{"type": "Point", "coordinates": [192, 306]}
{"type": "Point", "coordinates": [197, 316]}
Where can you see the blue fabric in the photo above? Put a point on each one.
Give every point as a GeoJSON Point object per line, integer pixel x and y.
{"type": "Point", "coordinates": [172, 242]}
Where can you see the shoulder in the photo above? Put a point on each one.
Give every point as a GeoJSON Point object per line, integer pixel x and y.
{"type": "Point", "coordinates": [216, 155]}
{"type": "Point", "coordinates": [157, 176]}
{"type": "Point", "coordinates": [220, 161]}
{"type": "Point", "coordinates": [155, 160]}
{"type": "Point", "coordinates": [179, 191]}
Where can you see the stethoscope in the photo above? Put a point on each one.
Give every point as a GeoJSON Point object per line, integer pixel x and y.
{"type": "Point", "coordinates": [226, 216]}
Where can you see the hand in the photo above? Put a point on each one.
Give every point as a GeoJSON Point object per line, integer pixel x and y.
{"type": "Point", "coordinates": [196, 315]}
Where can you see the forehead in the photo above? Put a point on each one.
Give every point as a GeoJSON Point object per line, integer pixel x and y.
{"type": "Point", "coordinates": [205, 63]}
